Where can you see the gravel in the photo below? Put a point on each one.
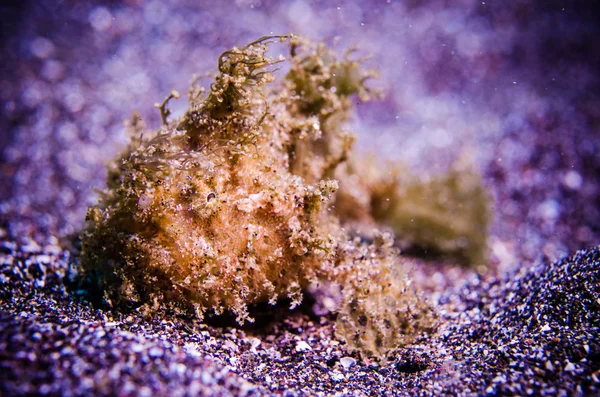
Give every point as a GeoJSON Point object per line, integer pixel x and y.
{"type": "Point", "coordinates": [512, 86]}
{"type": "Point", "coordinates": [535, 333]}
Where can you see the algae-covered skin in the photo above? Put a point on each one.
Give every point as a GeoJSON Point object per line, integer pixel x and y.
{"type": "Point", "coordinates": [379, 310]}
{"type": "Point", "coordinates": [448, 214]}
{"type": "Point", "coordinates": [229, 205]}
{"type": "Point", "coordinates": [205, 214]}
{"type": "Point", "coordinates": [318, 94]}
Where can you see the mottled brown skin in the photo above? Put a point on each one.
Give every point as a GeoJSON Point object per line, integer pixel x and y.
{"type": "Point", "coordinates": [212, 211]}
{"type": "Point", "coordinates": [379, 310]}
{"type": "Point", "coordinates": [206, 214]}
{"type": "Point", "coordinates": [229, 205]}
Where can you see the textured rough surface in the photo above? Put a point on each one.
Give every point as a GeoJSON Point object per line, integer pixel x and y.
{"type": "Point", "coordinates": [207, 214]}
{"type": "Point", "coordinates": [513, 84]}
{"type": "Point", "coordinates": [533, 333]}
{"type": "Point", "coordinates": [228, 206]}
{"type": "Point", "coordinates": [379, 311]}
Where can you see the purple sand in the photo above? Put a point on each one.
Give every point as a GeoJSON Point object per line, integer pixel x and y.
{"type": "Point", "coordinates": [514, 86]}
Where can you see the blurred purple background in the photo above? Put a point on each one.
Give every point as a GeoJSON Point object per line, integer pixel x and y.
{"type": "Point", "coordinates": [512, 85]}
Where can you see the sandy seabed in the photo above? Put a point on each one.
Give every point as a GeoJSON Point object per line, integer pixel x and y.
{"type": "Point", "coordinates": [512, 85]}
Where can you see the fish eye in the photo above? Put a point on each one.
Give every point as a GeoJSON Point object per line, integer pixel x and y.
{"type": "Point", "coordinates": [211, 196]}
